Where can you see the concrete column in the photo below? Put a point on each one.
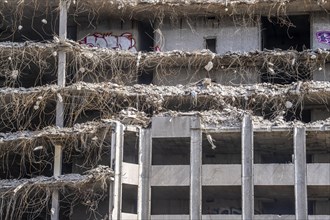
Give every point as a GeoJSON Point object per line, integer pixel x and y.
{"type": "Point", "coordinates": [64, 5]}
{"type": "Point", "coordinates": [112, 166]}
{"type": "Point", "coordinates": [143, 206]}
{"type": "Point", "coordinates": [247, 169]}
{"type": "Point", "coordinates": [56, 172]}
{"type": "Point", "coordinates": [300, 183]}
{"type": "Point", "coordinates": [117, 191]}
{"type": "Point", "coordinates": [195, 170]}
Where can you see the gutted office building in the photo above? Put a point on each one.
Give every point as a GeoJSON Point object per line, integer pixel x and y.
{"type": "Point", "coordinates": [165, 110]}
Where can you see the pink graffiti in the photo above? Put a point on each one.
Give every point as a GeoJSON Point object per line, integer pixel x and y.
{"type": "Point", "coordinates": [323, 37]}
{"type": "Point", "coordinates": [107, 40]}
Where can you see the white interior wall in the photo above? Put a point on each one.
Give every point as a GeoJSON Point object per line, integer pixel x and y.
{"type": "Point", "coordinates": [190, 35]}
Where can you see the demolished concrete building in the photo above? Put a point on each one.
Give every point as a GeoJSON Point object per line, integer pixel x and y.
{"type": "Point", "coordinates": [153, 109]}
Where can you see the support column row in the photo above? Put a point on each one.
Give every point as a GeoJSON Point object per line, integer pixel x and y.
{"type": "Point", "coordinates": [300, 171]}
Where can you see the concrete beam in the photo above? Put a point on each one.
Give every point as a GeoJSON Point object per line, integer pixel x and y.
{"type": "Point", "coordinates": [195, 170]}
{"type": "Point", "coordinates": [143, 208]}
{"type": "Point", "coordinates": [170, 175]}
{"type": "Point", "coordinates": [300, 171]}
{"type": "Point", "coordinates": [273, 174]}
{"type": "Point", "coordinates": [247, 169]}
{"type": "Point", "coordinates": [117, 191]}
{"type": "Point", "coordinates": [163, 127]}
{"type": "Point", "coordinates": [318, 174]}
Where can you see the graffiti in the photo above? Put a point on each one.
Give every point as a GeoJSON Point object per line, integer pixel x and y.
{"type": "Point", "coordinates": [323, 37]}
{"type": "Point", "coordinates": [227, 211]}
{"type": "Point", "coordinates": [157, 48]}
{"type": "Point", "coordinates": [122, 42]}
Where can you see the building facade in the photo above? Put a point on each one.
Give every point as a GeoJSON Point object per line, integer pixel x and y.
{"type": "Point", "coordinates": [164, 110]}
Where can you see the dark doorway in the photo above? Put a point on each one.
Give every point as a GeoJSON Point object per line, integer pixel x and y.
{"type": "Point", "coordinates": [292, 32]}
{"type": "Point", "coordinates": [146, 44]}
{"type": "Point", "coordinates": [211, 44]}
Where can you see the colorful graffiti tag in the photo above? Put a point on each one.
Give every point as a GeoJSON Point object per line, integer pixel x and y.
{"type": "Point", "coordinates": [323, 37]}
{"type": "Point", "coordinates": [108, 40]}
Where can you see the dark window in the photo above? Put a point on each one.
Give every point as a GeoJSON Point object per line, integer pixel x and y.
{"type": "Point", "coordinates": [211, 44]}
{"type": "Point", "coordinates": [146, 44]}
{"type": "Point", "coordinates": [171, 151]}
{"type": "Point", "coordinates": [129, 199]}
{"type": "Point", "coordinates": [170, 200]}
{"type": "Point", "coordinates": [286, 33]}
{"type": "Point", "coordinates": [292, 32]}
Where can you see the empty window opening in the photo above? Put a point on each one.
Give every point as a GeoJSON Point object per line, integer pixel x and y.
{"type": "Point", "coordinates": [146, 36]}
{"type": "Point", "coordinates": [319, 112]}
{"type": "Point", "coordinates": [131, 147]}
{"type": "Point", "coordinates": [72, 32]}
{"type": "Point", "coordinates": [274, 200]}
{"type": "Point", "coordinates": [292, 32]}
{"type": "Point", "coordinates": [88, 115]}
{"type": "Point", "coordinates": [40, 163]}
{"type": "Point", "coordinates": [33, 74]}
{"type": "Point", "coordinates": [146, 44]}
{"type": "Point", "coordinates": [300, 115]}
{"type": "Point", "coordinates": [67, 167]}
{"type": "Point", "coordinates": [43, 212]}
{"type": "Point", "coordinates": [279, 73]}
{"type": "Point", "coordinates": [273, 147]}
{"type": "Point", "coordinates": [292, 114]}
{"type": "Point", "coordinates": [211, 44]}
{"type": "Point", "coordinates": [80, 209]}
{"type": "Point", "coordinates": [169, 200]}
{"type": "Point", "coordinates": [317, 147]}
{"type": "Point", "coordinates": [318, 200]}
{"type": "Point", "coordinates": [226, 148]}
{"type": "Point", "coordinates": [36, 27]}
{"type": "Point", "coordinates": [221, 200]}
{"type": "Point", "coordinates": [79, 163]}
{"type": "Point", "coordinates": [129, 199]}
{"type": "Point", "coordinates": [99, 152]}
{"type": "Point", "coordinates": [146, 77]}
{"type": "Point", "coordinates": [170, 151]}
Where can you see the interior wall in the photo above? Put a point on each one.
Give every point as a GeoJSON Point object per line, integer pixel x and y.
{"type": "Point", "coordinates": [231, 34]}
{"type": "Point", "coordinates": [114, 27]}
{"type": "Point", "coordinates": [320, 22]}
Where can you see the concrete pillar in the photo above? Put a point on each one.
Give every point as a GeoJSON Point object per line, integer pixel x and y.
{"type": "Point", "coordinates": [117, 191]}
{"type": "Point", "coordinates": [63, 5]}
{"type": "Point", "coordinates": [195, 170]}
{"type": "Point", "coordinates": [247, 169]}
{"type": "Point", "coordinates": [112, 166]}
{"type": "Point", "coordinates": [143, 205]}
{"type": "Point", "coordinates": [300, 186]}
